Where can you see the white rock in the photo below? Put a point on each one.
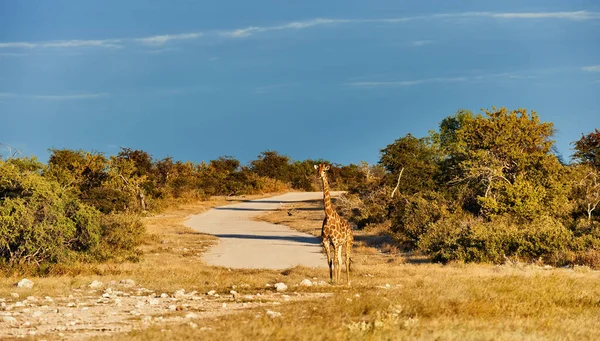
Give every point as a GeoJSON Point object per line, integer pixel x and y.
{"type": "Point", "coordinates": [211, 293]}
{"type": "Point", "coordinates": [172, 307]}
{"type": "Point", "coordinates": [273, 314]}
{"type": "Point", "coordinates": [14, 294]}
{"type": "Point", "coordinates": [179, 293]}
{"type": "Point", "coordinates": [25, 283]}
{"type": "Point", "coordinates": [306, 283]}
{"type": "Point", "coordinates": [95, 285]}
{"type": "Point", "coordinates": [280, 286]}
{"type": "Point", "coordinates": [9, 319]}
{"type": "Point", "coordinates": [286, 297]}
{"type": "Point", "coordinates": [48, 299]}
{"type": "Point", "coordinates": [193, 325]}
{"type": "Point", "coordinates": [320, 283]}
{"type": "Point", "coordinates": [19, 304]}
{"type": "Point", "coordinates": [37, 313]}
{"type": "Point", "coordinates": [233, 292]}
{"type": "Point", "coordinates": [224, 305]}
{"type": "Point", "coordinates": [32, 299]}
{"type": "Point", "coordinates": [153, 301]}
{"type": "Point", "coordinates": [163, 295]}
{"type": "Point", "coordinates": [127, 282]}
{"type": "Point", "coordinates": [192, 316]}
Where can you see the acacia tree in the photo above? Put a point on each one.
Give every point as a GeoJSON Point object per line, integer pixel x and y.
{"type": "Point", "coordinates": [272, 165]}
{"type": "Point", "coordinates": [590, 190]}
{"type": "Point", "coordinates": [587, 149]}
{"type": "Point", "coordinates": [505, 158]}
{"type": "Point", "coordinates": [415, 158]}
{"type": "Point", "coordinates": [587, 172]}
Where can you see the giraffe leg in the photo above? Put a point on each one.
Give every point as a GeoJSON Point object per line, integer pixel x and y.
{"type": "Point", "coordinates": [329, 260]}
{"type": "Point", "coordinates": [348, 251]}
{"type": "Point", "coordinates": [339, 261]}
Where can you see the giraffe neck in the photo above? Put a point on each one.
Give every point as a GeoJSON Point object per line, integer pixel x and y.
{"type": "Point", "coordinates": [327, 197]}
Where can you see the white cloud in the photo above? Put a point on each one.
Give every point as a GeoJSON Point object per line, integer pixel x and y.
{"type": "Point", "coordinates": [578, 15]}
{"type": "Point", "coordinates": [68, 97]}
{"type": "Point", "coordinates": [470, 78]}
{"type": "Point", "coordinates": [110, 43]}
{"type": "Point", "coordinates": [21, 45]}
{"type": "Point", "coordinates": [165, 38]}
{"type": "Point", "coordinates": [294, 25]}
{"type": "Point", "coordinates": [159, 40]}
{"type": "Point", "coordinates": [388, 84]}
{"type": "Point", "coordinates": [591, 68]}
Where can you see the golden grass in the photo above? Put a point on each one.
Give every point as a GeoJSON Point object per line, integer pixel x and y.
{"type": "Point", "coordinates": [424, 302]}
{"type": "Point", "coordinates": [392, 297]}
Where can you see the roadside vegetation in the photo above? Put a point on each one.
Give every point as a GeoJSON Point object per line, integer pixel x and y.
{"type": "Point", "coordinates": [84, 207]}
{"type": "Point", "coordinates": [482, 188]}
{"type": "Point", "coordinates": [486, 187]}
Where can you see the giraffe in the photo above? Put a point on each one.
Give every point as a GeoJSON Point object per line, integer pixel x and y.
{"type": "Point", "coordinates": [335, 233]}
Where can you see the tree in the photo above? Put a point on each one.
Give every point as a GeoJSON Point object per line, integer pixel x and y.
{"type": "Point", "coordinates": [505, 159]}
{"type": "Point", "coordinates": [78, 169]}
{"type": "Point", "coordinates": [587, 149]}
{"type": "Point", "coordinates": [587, 188]}
{"type": "Point", "coordinates": [141, 160]}
{"type": "Point", "coordinates": [415, 158]}
{"type": "Point", "coordinates": [272, 165]}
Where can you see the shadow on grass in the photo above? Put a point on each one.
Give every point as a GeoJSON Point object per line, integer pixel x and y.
{"type": "Point", "coordinates": [383, 241]}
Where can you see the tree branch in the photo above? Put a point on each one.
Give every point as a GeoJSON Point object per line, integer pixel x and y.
{"type": "Point", "coordinates": [397, 183]}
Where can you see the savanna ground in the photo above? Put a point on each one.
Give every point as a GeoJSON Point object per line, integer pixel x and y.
{"type": "Point", "coordinates": [393, 296]}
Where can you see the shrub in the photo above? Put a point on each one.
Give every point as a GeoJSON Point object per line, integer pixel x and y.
{"type": "Point", "coordinates": [39, 221]}
{"type": "Point", "coordinates": [412, 215]}
{"type": "Point", "coordinates": [43, 223]}
{"type": "Point", "coordinates": [476, 240]}
{"type": "Point", "coordinates": [121, 234]}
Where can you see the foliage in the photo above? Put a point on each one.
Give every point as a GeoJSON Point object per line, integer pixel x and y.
{"type": "Point", "coordinates": [495, 241]}
{"type": "Point", "coordinates": [416, 158]}
{"type": "Point", "coordinates": [486, 187]}
{"type": "Point", "coordinates": [587, 149]}
{"type": "Point", "coordinates": [43, 222]}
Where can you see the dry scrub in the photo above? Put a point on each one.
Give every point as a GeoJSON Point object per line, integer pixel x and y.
{"type": "Point", "coordinates": [392, 297]}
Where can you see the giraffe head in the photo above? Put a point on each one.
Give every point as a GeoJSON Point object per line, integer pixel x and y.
{"type": "Point", "coordinates": [321, 169]}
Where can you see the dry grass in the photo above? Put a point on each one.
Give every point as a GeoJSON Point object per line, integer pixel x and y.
{"type": "Point", "coordinates": [392, 297]}
{"type": "Point", "coordinates": [424, 302]}
{"type": "Point", "coordinates": [171, 260]}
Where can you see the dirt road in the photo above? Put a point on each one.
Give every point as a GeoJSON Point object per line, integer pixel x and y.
{"type": "Point", "coordinates": [246, 243]}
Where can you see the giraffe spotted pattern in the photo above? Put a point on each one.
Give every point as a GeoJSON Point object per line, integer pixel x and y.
{"type": "Point", "coordinates": [336, 233]}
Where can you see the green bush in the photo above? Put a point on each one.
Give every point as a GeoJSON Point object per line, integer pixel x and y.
{"type": "Point", "coordinates": [412, 215]}
{"type": "Point", "coordinates": [121, 234]}
{"type": "Point", "coordinates": [42, 223]}
{"type": "Point", "coordinates": [476, 240]}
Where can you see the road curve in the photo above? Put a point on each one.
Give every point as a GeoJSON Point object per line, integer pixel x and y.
{"type": "Point", "coordinates": [248, 244]}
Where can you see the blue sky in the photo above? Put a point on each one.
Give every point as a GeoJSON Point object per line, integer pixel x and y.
{"type": "Point", "coordinates": [311, 79]}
